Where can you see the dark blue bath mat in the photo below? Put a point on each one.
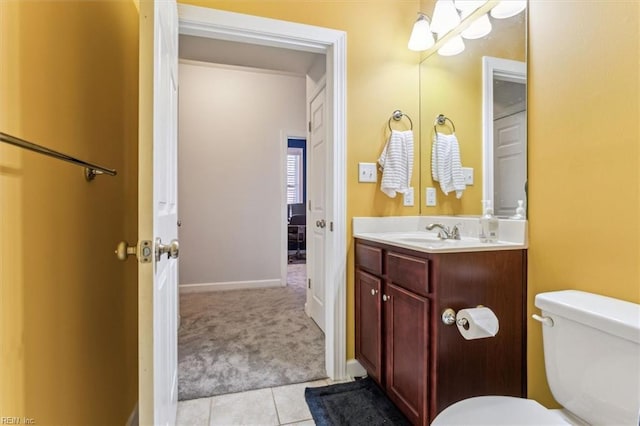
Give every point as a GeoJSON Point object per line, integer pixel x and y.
{"type": "Point", "coordinates": [356, 403]}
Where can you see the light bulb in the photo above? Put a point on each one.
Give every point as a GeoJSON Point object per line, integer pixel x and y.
{"type": "Point", "coordinates": [508, 8]}
{"type": "Point", "coordinates": [421, 37]}
{"type": "Point", "coordinates": [445, 17]}
{"type": "Point", "coordinates": [478, 28]}
{"type": "Point", "coordinates": [465, 5]}
{"type": "Point", "coordinates": [454, 46]}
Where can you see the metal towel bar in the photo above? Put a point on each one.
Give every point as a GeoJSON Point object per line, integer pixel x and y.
{"type": "Point", "coordinates": [441, 120]}
{"type": "Point", "coordinates": [397, 116]}
{"type": "Point", "coordinates": [90, 170]}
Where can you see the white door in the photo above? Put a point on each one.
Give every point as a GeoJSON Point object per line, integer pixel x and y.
{"type": "Point", "coordinates": [510, 163]}
{"type": "Point", "coordinates": [317, 226]}
{"type": "Point", "coordinates": [157, 210]}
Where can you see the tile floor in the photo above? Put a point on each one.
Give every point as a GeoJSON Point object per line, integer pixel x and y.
{"type": "Point", "coordinates": [283, 405]}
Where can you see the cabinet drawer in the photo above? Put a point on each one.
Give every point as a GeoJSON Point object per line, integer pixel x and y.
{"type": "Point", "coordinates": [409, 272]}
{"type": "Point", "coordinates": [369, 258]}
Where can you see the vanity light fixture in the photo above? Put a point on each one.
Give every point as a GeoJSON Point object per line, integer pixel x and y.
{"type": "Point", "coordinates": [472, 23]}
{"type": "Point", "coordinates": [478, 28]}
{"type": "Point", "coordinates": [454, 46]}
{"type": "Point", "coordinates": [469, 5]}
{"type": "Point", "coordinates": [508, 8]}
{"type": "Point", "coordinates": [445, 17]}
{"type": "Point", "coordinates": [421, 36]}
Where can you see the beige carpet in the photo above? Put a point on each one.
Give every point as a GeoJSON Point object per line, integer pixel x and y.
{"type": "Point", "coordinates": [232, 341]}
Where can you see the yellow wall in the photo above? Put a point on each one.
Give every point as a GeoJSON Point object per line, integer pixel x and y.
{"type": "Point", "coordinates": [382, 76]}
{"type": "Point", "coordinates": [68, 80]}
{"type": "Point", "coordinates": [584, 161]}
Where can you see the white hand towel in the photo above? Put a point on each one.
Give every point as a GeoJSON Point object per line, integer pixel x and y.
{"type": "Point", "coordinates": [446, 166]}
{"type": "Point", "coordinates": [396, 161]}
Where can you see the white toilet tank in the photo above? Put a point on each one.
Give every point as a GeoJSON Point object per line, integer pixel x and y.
{"type": "Point", "coordinates": [592, 355]}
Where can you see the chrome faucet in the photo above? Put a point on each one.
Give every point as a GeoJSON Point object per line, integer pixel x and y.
{"type": "Point", "coordinates": [444, 232]}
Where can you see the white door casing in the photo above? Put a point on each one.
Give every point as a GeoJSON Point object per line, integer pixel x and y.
{"type": "Point", "coordinates": [317, 225]}
{"type": "Point", "coordinates": [504, 69]}
{"type": "Point", "coordinates": [157, 210]}
{"type": "Point", "coordinates": [216, 24]}
{"type": "Point", "coordinates": [510, 162]}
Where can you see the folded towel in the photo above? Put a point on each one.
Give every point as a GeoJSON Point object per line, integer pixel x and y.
{"type": "Point", "coordinates": [396, 161]}
{"type": "Point", "coordinates": [446, 166]}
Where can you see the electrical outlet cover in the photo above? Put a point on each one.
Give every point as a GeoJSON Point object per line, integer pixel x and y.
{"type": "Point", "coordinates": [407, 201]}
{"type": "Point", "coordinates": [431, 197]}
{"type": "Point", "coordinates": [467, 174]}
{"type": "Point", "coordinates": [367, 172]}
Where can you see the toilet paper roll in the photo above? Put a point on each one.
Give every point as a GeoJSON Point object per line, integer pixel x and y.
{"type": "Point", "coordinates": [480, 323]}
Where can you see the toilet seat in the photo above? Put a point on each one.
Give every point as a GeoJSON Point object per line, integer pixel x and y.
{"type": "Point", "coordinates": [497, 410]}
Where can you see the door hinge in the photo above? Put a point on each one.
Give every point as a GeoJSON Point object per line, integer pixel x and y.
{"type": "Point", "coordinates": [309, 283]}
{"type": "Point", "coordinates": [309, 126]}
{"type": "Point", "coordinates": [309, 205]}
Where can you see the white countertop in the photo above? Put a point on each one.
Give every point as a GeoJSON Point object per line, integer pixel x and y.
{"type": "Point", "coordinates": [410, 232]}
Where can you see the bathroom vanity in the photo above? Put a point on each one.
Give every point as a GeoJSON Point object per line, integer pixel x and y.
{"type": "Point", "coordinates": [402, 287]}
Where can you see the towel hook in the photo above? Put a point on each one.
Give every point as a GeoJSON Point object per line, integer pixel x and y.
{"type": "Point", "coordinates": [441, 120]}
{"type": "Point", "coordinates": [397, 116]}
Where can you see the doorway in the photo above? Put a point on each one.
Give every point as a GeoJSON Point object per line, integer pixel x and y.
{"type": "Point", "coordinates": [504, 147]}
{"type": "Point", "coordinates": [256, 31]}
{"type": "Point", "coordinates": [296, 187]}
{"type": "Point", "coordinates": [510, 145]}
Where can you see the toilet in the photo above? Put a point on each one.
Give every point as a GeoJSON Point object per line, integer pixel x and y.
{"type": "Point", "coordinates": [592, 361]}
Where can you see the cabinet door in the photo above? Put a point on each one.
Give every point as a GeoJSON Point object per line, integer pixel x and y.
{"type": "Point", "coordinates": [369, 323]}
{"type": "Point", "coordinates": [406, 336]}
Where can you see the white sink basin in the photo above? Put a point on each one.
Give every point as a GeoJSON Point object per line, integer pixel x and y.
{"type": "Point", "coordinates": [429, 242]}
{"type": "Point", "coordinates": [410, 232]}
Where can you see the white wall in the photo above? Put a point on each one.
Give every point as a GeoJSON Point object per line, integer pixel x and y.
{"type": "Point", "coordinates": [231, 172]}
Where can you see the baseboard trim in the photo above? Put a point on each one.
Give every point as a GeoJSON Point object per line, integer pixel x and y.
{"type": "Point", "coordinates": [133, 417]}
{"type": "Point", "coordinates": [231, 285]}
{"type": "Point", "coordinates": [355, 369]}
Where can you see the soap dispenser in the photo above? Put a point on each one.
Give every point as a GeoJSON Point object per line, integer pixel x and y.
{"type": "Point", "coordinates": [488, 224]}
{"type": "Point", "coordinates": [519, 211]}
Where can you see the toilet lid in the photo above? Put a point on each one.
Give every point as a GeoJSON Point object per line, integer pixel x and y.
{"type": "Point", "coordinates": [497, 410]}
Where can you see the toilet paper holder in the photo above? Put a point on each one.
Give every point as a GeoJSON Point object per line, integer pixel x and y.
{"type": "Point", "coordinates": [449, 318]}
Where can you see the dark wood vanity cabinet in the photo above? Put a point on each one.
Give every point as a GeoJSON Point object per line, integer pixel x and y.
{"type": "Point", "coordinates": [406, 355]}
{"type": "Point", "coordinates": [423, 364]}
{"type": "Point", "coordinates": [369, 323]}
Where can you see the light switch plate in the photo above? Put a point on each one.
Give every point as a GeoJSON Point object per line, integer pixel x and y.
{"type": "Point", "coordinates": [367, 172]}
{"type": "Point", "coordinates": [467, 173]}
{"type": "Point", "coordinates": [407, 201]}
{"type": "Point", "coordinates": [431, 197]}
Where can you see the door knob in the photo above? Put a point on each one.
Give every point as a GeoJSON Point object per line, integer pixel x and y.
{"type": "Point", "coordinates": [321, 223]}
{"type": "Point", "coordinates": [124, 250]}
{"type": "Point", "coordinates": [172, 249]}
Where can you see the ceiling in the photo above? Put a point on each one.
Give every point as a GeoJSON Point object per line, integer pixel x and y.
{"type": "Point", "coordinates": [246, 55]}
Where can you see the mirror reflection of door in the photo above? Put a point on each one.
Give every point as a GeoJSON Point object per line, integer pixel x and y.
{"type": "Point", "coordinates": [510, 143]}
{"type": "Point", "coordinates": [504, 122]}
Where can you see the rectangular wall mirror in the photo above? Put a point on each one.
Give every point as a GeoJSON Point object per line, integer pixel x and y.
{"type": "Point", "coordinates": [482, 91]}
